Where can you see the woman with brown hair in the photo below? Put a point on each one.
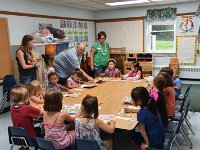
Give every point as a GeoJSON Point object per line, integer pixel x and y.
{"type": "Point", "coordinates": [99, 54]}
{"type": "Point", "coordinates": [27, 61]}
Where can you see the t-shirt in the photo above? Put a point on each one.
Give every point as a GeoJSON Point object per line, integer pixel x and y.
{"type": "Point", "coordinates": [112, 73]}
{"type": "Point", "coordinates": [23, 116]}
{"type": "Point", "coordinates": [101, 54]}
{"type": "Point", "coordinates": [161, 106]}
{"type": "Point", "coordinates": [66, 62]}
{"type": "Point", "coordinates": [170, 101]}
{"type": "Point", "coordinates": [133, 74]}
{"type": "Point", "coordinates": [154, 130]}
{"type": "Point", "coordinates": [177, 82]}
{"type": "Point", "coordinates": [46, 71]}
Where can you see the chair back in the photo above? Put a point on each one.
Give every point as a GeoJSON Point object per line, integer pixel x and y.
{"type": "Point", "coordinates": [83, 144]}
{"type": "Point", "coordinates": [44, 144]}
{"type": "Point", "coordinates": [19, 136]}
{"type": "Point", "coordinates": [185, 97]}
{"type": "Point", "coordinates": [8, 83]}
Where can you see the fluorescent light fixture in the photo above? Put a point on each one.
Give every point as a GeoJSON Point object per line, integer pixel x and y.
{"type": "Point", "coordinates": [127, 2]}
{"type": "Point", "coordinates": [157, 0]}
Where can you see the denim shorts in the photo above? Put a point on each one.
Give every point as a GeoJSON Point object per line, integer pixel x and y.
{"type": "Point", "coordinates": [27, 79]}
{"type": "Point", "coordinates": [99, 69]}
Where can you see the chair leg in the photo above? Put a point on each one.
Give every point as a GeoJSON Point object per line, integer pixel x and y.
{"type": "Point", "coordinates": [11, 148]}
{"type": "Point", "coordinates": [185, 131]}
{"type": "Point", "coordinates": [188, 122]}
{"type": "Point", "coordinates": [177, 144]}
{"type": "Point", "coordinates": [190, 129]}
{"type": "Point", "coordinates": [187, 139]}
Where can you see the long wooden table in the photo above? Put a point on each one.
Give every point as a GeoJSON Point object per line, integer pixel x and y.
{"type": "Point", "coordinates": [110, 95]}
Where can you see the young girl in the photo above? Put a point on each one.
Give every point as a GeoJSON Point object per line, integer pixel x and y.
{"type": "Point", "coordinates": [151, 129]}
{"type": "Point", "coordinates": [111, 71]}
{"type": "Point", "coordinates": [54, 121]}
{"type": "Point", "coordinates": [27, 61]}
{"type": "Point", "coordinates": [35, 92]}
{"type": "Point", "coordinates": [159, 85]}
{"type": "Point", "coordinates": [53, 83]}
{"type": "Point", "coordinates": [22, 114]}
{"type": "Point", "coordinates": [169, 94]}
{"type": "Point", "coordinates": [74, 80]}
{"type": "Point", "coordinates": [49, 61]}
{"type": "Point", "coordinates": [89, 122]}
{"type": "Point", "coordinates": [135, 73]}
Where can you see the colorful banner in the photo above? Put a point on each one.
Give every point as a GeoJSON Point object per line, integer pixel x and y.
{"type": "Point", "coordinates": [161, 14]}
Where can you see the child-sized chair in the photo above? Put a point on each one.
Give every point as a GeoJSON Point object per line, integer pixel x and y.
{"type": "Point", "coordinates": [83, 144]}
{"type": "Point", "coordinates": [19, 137]}
{"type": "Point", "coordinates": [43, 144]}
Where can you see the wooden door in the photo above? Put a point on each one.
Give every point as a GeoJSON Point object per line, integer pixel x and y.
{"type": "Point", "coordinates": [5, 49]}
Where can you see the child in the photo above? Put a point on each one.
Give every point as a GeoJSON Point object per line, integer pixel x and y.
{"type": "Point", "coordinates": [168, 70]}
{"type": "Point", "coordinates": [74, 80]}
{"type": "Point", "coordinates": [22, 114]}
{"type": "Point", "coordinates": [169, 94]}
{"type": "Point", "coordinates": [177, 82]}
{"type": "Point", "coordinates": [159, 84]}
{"type": "Point", "coordinates": [151, 129]}
{"type": "Point", "coordinates": [49, 61]}
{"type": "Point", "coordinates": [53, 83]}
{"type": "Point", "coordinates": [89, 122]}
{"type": "Point", "coordinates": [135, 73]}
{"type": "Point", "coordinates": [54, 121]}
{"type": "Point", "coordinates": [35, 92]}
{"type": "Point", "coordinates": [111, 71]}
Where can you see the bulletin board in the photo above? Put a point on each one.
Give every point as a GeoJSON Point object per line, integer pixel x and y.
{"type": "Point", "coordinates": [128, 34]}
{"type": "Point", "coordinates": [186, 47]}
{"type": "Point", "coordinates": [5, 49]}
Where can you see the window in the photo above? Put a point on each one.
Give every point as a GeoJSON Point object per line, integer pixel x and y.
{"type": "Point", "coordinates": [161, 37]}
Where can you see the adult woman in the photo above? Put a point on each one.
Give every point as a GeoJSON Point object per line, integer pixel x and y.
{"type": "Point", "coordinates": [99, 54]}
{"type": "Point", "coordinates": [27, 61]}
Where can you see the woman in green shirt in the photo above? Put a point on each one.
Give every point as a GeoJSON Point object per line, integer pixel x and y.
{"type": "Point", "coordinates": [99, 54]}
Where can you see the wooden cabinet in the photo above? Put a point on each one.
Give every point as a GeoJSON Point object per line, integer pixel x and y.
{"type": "Point", "coordinates": [145, 60]}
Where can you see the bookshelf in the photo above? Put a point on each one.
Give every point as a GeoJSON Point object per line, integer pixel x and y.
{"type": "Point", "coordinates": [145, 60]}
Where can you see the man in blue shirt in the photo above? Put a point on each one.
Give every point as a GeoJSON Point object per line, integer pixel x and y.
{"type": "Point", "coordinates": [67, 61]}
{"type": "Point", "coordinates": [177, 82]}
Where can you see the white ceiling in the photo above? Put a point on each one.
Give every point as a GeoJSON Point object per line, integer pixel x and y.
{"type": "Point", "coordinates": [100, 4]}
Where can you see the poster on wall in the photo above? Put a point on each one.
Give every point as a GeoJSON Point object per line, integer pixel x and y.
{"type": "Point", "coordinates": [186, 47]}
{"type": "Point", "coordinates": [186, 25]}
{"type": "Point", "coordinates": [63, 26]}
{"type": "Point", "coordinates": [69, 27]}
{"type": "Point", "coordinates": [76, 39]}
{"type": "Point", "coordinates": [85, 28]}
{"type": "Point", "coordinates": [80, 25]}
{"type": "Point", "coordinates": [75, 27]}
{"type": "Point", "coordinates": [71, 41]}
{"type": "Point", "coordinates": [44, 25]}
{"type": "Point", "coordinates": [86, 40]}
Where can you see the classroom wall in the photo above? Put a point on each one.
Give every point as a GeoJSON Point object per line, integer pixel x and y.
{"type": "Point", "coordinates": [159, 61]}
{"type": "Point", "coordinates": [21, 25]}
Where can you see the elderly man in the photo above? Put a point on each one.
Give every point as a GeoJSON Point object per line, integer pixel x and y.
{"type": "Point", "coordinates": [67, 61]}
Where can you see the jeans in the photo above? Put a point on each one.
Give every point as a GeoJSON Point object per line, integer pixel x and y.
{"type": "Point", "coordinates": [99, 69]}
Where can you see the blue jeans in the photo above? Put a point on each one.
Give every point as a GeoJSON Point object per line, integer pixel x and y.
{"type": "Point", "coordinates": [27, 79]}
{"type": "Point", "coordinates": [99, 69]}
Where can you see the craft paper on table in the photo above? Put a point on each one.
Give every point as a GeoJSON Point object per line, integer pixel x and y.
{"type": "Point", "coordinates": [71, 95]}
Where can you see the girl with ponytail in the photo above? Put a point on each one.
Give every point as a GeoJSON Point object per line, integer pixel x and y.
{"type": "Point", "coordinates": [87, 125]}
{"type": "Point", "coordinates": [151, 133]}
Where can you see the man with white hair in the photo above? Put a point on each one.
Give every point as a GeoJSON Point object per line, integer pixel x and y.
{"type": "Point", "coordinates": [67, 61]}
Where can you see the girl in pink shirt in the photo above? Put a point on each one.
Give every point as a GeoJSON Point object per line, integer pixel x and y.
{"type": "Point", "coordinates": [135, 73]}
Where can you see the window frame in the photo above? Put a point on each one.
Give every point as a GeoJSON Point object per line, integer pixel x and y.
{"type": "Point", "coordinates": [149, 30]}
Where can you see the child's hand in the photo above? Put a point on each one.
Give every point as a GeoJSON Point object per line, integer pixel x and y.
{"type": "Point", "coordinates": [127, 110]}
{"type": "Point", "coordinates": [111, 122]}
{"type": "Point", "coordinates": [69, 91]}
{"type": "Point", "coordinates": [144, 146]}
